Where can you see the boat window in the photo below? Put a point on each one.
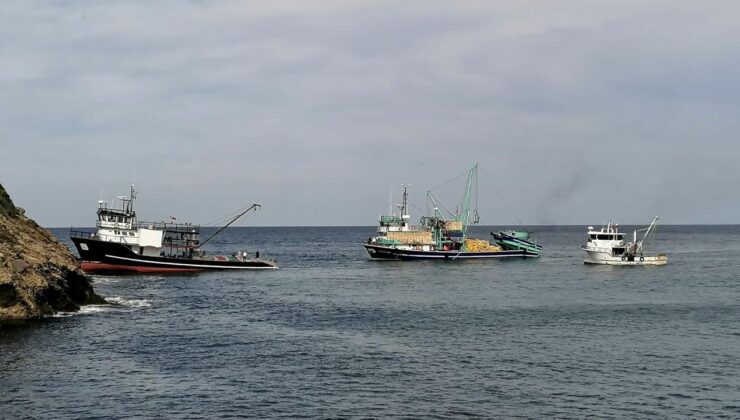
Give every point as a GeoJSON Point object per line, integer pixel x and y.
{"type": "Point", "coordinates": [605, 237]}
{"type": "Point", "coordinates": [593, 236]}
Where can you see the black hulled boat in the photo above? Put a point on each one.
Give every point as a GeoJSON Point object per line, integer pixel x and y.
{"type": "Point", "coordinates": [122, 243]}
{"type": "Point", "coordinates": [443, 238]}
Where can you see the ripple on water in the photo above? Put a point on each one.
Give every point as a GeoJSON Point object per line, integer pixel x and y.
{"type": "Point", "coordinates": [336, 335]}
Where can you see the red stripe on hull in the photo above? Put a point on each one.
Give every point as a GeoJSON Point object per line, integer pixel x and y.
{"type": "Point", "coordinates": [97, 266]}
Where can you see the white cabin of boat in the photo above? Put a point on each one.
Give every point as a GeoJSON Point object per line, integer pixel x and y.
{"type": "Point", "coordinates": [608, 239]}
{"type": "Point", "coordinates": [152, 239]}
{"type": "Point", "coordinates": [607, 246]}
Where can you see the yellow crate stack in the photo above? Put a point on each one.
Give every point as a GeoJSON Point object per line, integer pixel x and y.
{"type": "Point", "coordinates": [480, 245]}
{"type": "Point", "coordinates": [453, 225]}
{"type": "Point", "coordinates": [411, 238]}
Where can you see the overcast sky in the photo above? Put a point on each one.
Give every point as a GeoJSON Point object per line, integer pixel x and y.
{"type": "Point", "coordinates": [578, 111]}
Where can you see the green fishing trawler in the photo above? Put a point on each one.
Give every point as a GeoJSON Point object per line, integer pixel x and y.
{"type": "Point", "coordinates": [439, 237]}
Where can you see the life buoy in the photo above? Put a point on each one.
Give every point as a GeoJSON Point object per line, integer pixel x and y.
{"type": "Point", "coordinates": [623, 258]}
{"type": "Point", "coordinates": [642, 259]}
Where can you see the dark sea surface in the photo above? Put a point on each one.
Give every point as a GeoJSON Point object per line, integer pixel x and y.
{"type": "Point", "coordinates": [333, 334]}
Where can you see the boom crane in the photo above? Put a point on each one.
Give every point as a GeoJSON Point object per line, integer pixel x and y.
{"type": "Point", "coordinates": [253, 206]}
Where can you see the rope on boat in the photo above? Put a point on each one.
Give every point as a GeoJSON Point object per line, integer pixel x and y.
{"type": "Point", "coordinates": [458, 254]}
{"type": "Point", "coordinates": [449, 181]}
{"type": "Point", "coordinates": [220, 221]}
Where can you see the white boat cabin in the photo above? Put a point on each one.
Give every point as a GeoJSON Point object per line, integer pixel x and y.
{"type": "Point", "coordinates": [607, 239]}
{"type": "Point", "coordinates": [120, 225]}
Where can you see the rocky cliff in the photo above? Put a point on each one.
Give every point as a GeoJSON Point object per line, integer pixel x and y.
{"type": "Point", "coordinates": [38, 275]}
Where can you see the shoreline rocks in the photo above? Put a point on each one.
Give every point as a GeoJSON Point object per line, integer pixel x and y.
{"type": "Point", "coordinates": [38, 275]}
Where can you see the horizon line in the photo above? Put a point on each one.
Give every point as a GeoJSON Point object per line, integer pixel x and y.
{"type": "Point", "coordinates": [481, 225]}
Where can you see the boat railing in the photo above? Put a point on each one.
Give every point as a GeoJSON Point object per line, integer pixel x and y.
{"type": "Point", "coordinates": [80, 234]}
{"type": "Point", "coordinates": [609, 250]}
{"type": "Point", "coordinates": [107, 238]}
{"type": "Point", "coordinates": [170, 227]}
{"type": "Point", "coordinates": [114, 225]}
{"type": "Point", "coordinates": [120, 239]}
{"type": "Point", "coordinates": [597, 248]}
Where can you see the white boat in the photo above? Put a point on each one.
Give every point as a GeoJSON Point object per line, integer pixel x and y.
{"type": "Point", "coordinates": [607, 246]}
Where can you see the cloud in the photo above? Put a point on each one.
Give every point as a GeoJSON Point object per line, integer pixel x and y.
{"type": "Point", "coordinates": [334, 101]}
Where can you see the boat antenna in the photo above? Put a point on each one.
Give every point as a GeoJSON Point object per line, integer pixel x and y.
{"type": "Point", "coordinates": [390, 202]}
{"type": "Point", "coordinates": [253, 206]}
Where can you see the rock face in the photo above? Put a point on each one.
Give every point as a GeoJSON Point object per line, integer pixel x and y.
{"type": "Point", "coordinates": [38, 275]}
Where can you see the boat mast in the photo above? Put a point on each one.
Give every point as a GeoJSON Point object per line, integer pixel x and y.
{"type": "Point", "coordinates": [404, 208]}
{"type": "Point", "coordinates": [464, 216]}
{"type": "Point", "coordinates": [437, 213]}
{"type": "Point", "coordinates": [128, 202]}
{"type": "Point", "coordinates": [476, 216]}
{"type": "Point", "coordinates": [405, 201]}
{"type": "Point", "coordinates": [253, 206]}
{"type": "Point", "coordinates": [390, 203]}
{"type": "Point", "coordinates": [132, 197]}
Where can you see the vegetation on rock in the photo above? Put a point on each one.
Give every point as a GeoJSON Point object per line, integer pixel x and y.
{"type": "Point", "coordinates": [7, 208]}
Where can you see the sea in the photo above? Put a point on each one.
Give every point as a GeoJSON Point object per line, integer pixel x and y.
{"type": "Point", "coordinates": [332, 334]}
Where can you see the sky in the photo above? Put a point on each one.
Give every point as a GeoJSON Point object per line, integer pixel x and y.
{"type": "Point", "coordinates": [576, 111]}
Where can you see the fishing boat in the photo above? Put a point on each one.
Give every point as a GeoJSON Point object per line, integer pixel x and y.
{"type": "Point", "coordinates": [607, 246]}
{"type": "Point", "coordinates": [517, 239]}
{"type": "Point", "coordinates": [439, 236]}
{"type": "Point", "coordinates": [122, 243]}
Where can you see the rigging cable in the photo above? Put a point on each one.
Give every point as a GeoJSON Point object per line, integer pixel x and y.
{"type": "Point", "coordinates": [440, 206]}
{"type": "Point", "coordinates": [502, 197]}
{"type": "Point", "coordinates": [449, 181]}
{"type": "Point", "coordinates": [220, 221]}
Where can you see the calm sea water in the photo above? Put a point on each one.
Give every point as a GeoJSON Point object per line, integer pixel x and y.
{"type": "Point", "coordinates": [332, 334]}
